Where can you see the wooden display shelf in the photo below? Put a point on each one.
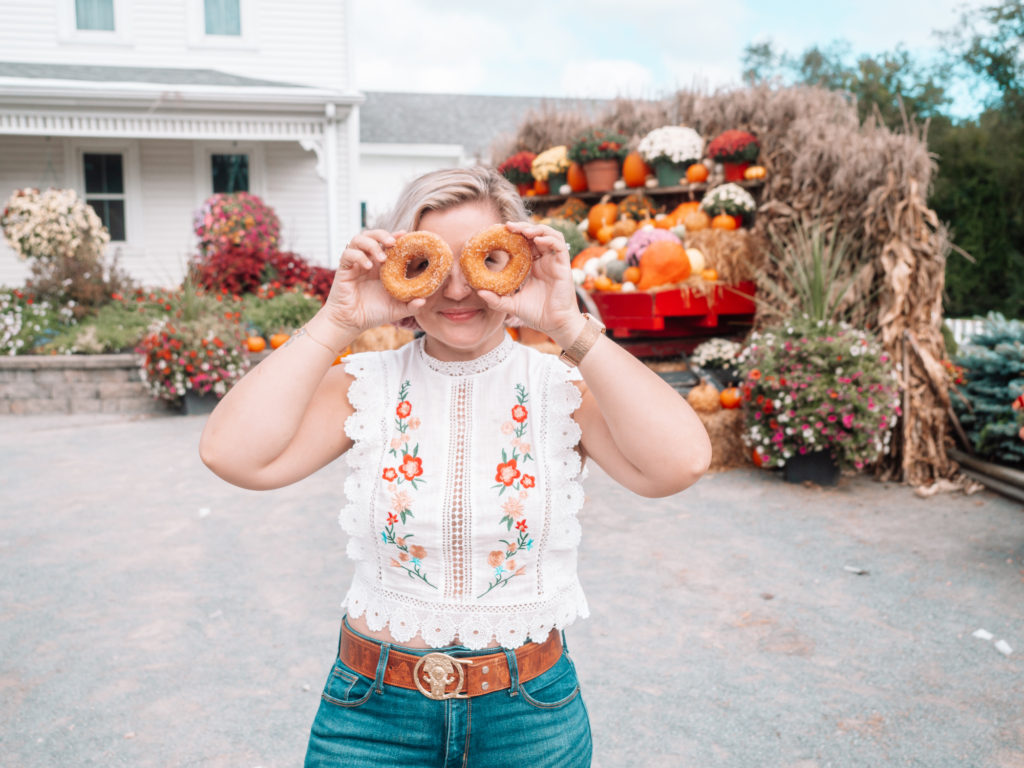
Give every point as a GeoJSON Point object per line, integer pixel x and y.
{"type": "Point", "coordinates": [682, 190]}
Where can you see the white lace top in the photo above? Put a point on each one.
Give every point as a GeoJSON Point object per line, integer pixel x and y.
{"type": "Point", "coordinates": [462, 495]}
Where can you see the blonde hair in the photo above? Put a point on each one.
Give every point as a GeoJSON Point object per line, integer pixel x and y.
{"type": "Point", "coordinates": [449, 188]}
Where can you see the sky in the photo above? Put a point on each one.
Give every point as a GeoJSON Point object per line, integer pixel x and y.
{"type": "Point", "coordinates": [606, 48]}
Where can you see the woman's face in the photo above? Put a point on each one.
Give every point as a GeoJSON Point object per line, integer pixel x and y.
{"type": "Point", "coordinates": [458, 324]}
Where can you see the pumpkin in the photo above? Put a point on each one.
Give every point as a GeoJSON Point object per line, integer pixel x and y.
{"type": "Point", "coordinates": [634, 170]}
{"type": "Point", "coordinates": [730, 397]}
{"type": "Point", "coordinates": [723, 221]}
{"type": "Point", "coordinates": [709, 274]}
{"type": "Point", "coordinates": [577, 178]}
{"type": "Point", "coordinates": [755, 172]}
{"type": "Point", "coordinates": [586, 255]}
{"type": "Point", "coordinates": [663, 262]}
{"type": "Point", "coordinates": [631, 275]}
{"type": "Point", "coordinates": [624, 227]}
{"type": "Point", "coordinates": [277, 339]}
{"type": "Point", "coordinates": [755, 456]}
{"type": "Point", "coordinates": [540, 187]}
{"type": "Point", "coordinates": [255, 343]}
{"type": "Point", "coordinates": [605, 234]}
{"type": "Point", "coordinates": [601, 214]}
{"type": "Point", "coordinates": [696, 220]}
{"type": "Point", "coordinates": [704, 398]}
{"type": "Point", "coordinates": [603, 283]}
{"type": "Point", "coordinates": [697, 173]}
{"type": "Point", "coordinates": [697, 260]}
{"type": "Point", "coordinates": [681, 211]}
{"type": "Point", "coordinates": [616, 270]}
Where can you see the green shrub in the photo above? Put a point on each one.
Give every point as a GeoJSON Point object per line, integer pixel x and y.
{"type": "Point", "coordinates": [283, 312]}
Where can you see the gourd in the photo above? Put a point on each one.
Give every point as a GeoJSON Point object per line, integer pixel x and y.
{"type": "Point", "coordinates": [277, 339]}
{"type": "Point", "coordinates": [663, 262]}
{"type": "Point", "coordinates": [724, 221]}
{"type": "Point", "coordinates": [576, 178]}
{"type": "Point", "coordinates": [704, 398]}
{"type": "Point", "coordinates": [697, 260]}
{"type": "Point", "coordinates": [642, 238]}
{"type": "Point", "coordinates": [616, 270]}
{"type": "Point", "coordinates": [624, 227]}
{"type": "Point", "coordinates": [730, 397]}
{"type": "Point", "coordinates": [696, 220]}
{"type": "Point", "coordinates": [586, 255]}
{"type": "Point", "coordinates": [697, 173]}
{"type": "Point", "coordinates": [634, 170]}
{"type": "Point", "coordinates": [631, 275]}
{"type": "Point", "coordinates": [255, 343]}
{"type": "Point", "coordinates": [755, 172]}
{"type": "Point", "coordinates": [601, 214]}
{"type": "Point", "coordinates": [711, 275]}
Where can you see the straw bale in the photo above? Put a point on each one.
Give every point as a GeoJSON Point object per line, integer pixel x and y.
{"type": "Point", "coordinates": [382, 337]}
{"type": "Point", "coordinates": [862, 177]}
{"type": "Point", "coordinates": [735, 254]}
{"type": "Point", "coordinates": [725, 428]}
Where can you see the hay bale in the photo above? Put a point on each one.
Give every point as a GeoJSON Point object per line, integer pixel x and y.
{"type": "Point", "coordinates": [725, 428]}
{"type": "Point", "coordinates": [382, 337]}
{"type": "Point", "coordinates": [735, 254]}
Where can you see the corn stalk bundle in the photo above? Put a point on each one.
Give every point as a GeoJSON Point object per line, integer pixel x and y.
{"type": "Point", "coordinates": [865, 180]}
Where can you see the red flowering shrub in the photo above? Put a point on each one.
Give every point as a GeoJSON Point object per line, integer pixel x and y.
{"type": "Point", "coordinates": [287, 268]}
{"type": "Point", "coordinates": [734, 147]}
{"type": "Point", "coordinates": [518, 168]}
{"type": "Point", "coordinates": [233, 269]}
{"type": "Point", "coordinates": [320, 281]}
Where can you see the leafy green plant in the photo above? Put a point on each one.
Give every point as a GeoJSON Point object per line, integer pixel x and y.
{"type": "Point", "coordinates": [573, 237]}
{"type": "Point", "coordinates": [27, 323]}
{"type": "Point", "coordinates": [283, 312]}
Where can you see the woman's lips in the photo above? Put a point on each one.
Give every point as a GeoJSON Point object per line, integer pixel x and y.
{"type": "Point", "coordinates": [459, 315]}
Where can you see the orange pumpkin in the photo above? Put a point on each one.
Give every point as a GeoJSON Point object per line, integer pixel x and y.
{"type": "Point", "coordinates": [663, 261]}
{"type": "Point", "coordinates": [756, 458]}
{"type": "Point", "coordinates": [604, 283]}
{"type": "Point", "coordinates": [576, 178]}
{"type": "Point", "coordinates": [277, 339]}
{"type": "Point", "coordinates": [755, 172]}
{"type": "Point", "coordinates": [723, 221]}
{"type": "Point", "coordinates": [730, 397]}
{"type": "Point", "coordinates": [255, 343]}
{"type": "Point", "coordinates": [540, 186]}
{"type": "Point", "coordinates": [634, 170]}
{"type": "Point", "coordinates": [697, 220]}
{"type": "Point", "coordinates": [604, 213]}
{"type": "Point", "coordinates": [697, 173]}
{"type": "Point", "coordinates": [709, 274]}
{"type": "Point", "coordinates": [605, 234]}
{"type": "Point", "coordinates": [631, 275]}
{"type": "Point", "coordinates": [586, 255]}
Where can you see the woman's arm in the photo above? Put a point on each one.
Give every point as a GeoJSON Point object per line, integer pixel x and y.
{"type": "Point", "coordinates": [635, 425]}
{"type": "Point", "coordinates": [286, 418]}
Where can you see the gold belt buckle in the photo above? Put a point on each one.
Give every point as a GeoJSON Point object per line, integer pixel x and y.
{"type": "Point", "coordinates": [434, 672]}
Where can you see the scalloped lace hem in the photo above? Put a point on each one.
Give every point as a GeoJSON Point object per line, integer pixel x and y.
{"type": "Point", "coordinates": [441, 626]}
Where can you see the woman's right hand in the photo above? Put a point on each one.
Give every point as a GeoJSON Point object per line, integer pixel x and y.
{"type": "Point", "coordinates": [358, 300]}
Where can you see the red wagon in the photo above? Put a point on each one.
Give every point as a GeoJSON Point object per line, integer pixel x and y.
{"type": "Point", "coordinates": [671, 322]}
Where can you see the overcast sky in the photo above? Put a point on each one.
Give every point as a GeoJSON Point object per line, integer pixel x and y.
{"type": "Point", "coordinates": [605, 48]}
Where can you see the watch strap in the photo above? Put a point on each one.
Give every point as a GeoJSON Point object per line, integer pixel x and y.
{"type": "Point", "coordinates": [586, 339]}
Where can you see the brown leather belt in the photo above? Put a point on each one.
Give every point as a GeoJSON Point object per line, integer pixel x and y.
{"type": "Point", "coordinates": [442, 676]}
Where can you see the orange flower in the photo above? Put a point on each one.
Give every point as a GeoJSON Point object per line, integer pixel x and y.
{"type": "Point", "coordinates": [755, 374]}
{"type": "Point", "coordinates": [519, 413]}
{"type": "Point", "coordinates": [417, 551]}
{"type": "Point", "coordinates": [528, 481]}
{"type": "Point", "coordinates": [412, 466]}
{"type": "Point", "coordinates": [404, 409]}
{"type": "Point", "coordinates": [507, 472]}
{"type": "Point", "coordinates": [495, 558]}
{"type": "Point", "coordinates": [390, 474]}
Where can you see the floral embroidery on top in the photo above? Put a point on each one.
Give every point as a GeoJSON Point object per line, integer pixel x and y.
{"type": "Point", "coordinates": [408, 471]}
{"type": "Point", "coordinates": [509, 476]}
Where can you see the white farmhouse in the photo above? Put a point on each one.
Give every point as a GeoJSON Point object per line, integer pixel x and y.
{"type": "Point", "coordinates": [146, 107]}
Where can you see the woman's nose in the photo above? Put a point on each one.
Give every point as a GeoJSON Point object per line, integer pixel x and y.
{"type": "Point", "coordinates": [455, 286]}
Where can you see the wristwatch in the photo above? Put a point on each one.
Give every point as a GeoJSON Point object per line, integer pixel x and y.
{"type": "Point", "coordinates": [574, 354]}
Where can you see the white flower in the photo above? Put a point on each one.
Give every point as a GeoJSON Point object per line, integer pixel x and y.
{"type": "Point", "coordinates": [731, 198]}
{"type": "Point", "coordinates": [676, 143]}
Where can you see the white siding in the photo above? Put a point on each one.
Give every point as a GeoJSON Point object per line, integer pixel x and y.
{"type": "Point", "coordinates": [299, 42]}
{"type": "Point", "coordinates": [26, 161]}
{"type": "Point", "coordinates": [382, 176]}
{"type": "Point", "coordinates": [299, 197]}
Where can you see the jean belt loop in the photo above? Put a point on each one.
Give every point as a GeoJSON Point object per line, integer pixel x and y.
{"type": "Point", "coordinates": [513, 672]}
{"type": "Point", "coordinates": [382, 665]}
{"type": "Point", "coordinates": [565, 645]}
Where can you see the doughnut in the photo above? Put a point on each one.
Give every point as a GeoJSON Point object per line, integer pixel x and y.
{"type": "Point", "coordinates": [496, 238]}
{"type": "Point", "coordinates": [394, 272]}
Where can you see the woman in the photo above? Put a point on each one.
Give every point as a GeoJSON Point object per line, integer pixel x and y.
{"type": "Point", "coordinates": [466, 453]}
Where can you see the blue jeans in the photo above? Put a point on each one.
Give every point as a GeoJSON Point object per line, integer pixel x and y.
{"type": "Point", "coordinates": [363, 722]}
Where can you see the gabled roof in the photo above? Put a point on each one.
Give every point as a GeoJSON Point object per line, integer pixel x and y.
{"type": "Point", "coordinates": [102, 74]}
{"type": "Point", "coordinates": [447, 118]}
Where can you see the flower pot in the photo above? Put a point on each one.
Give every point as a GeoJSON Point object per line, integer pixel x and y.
{"type": "Point", "coordinates": [555, 182]}
{"type": "Point", "coordinates": [601, 174]}
{"type": "Point", "coordinates": [524, 188]}
{"type": "Point", "coordinates": [724, 377]}
{"type": "Point", "coordinates": [734, 171]}
{"type": "Point", "coordinates": [817, 467]}
{"type": "Point", "coordinates": [670, 174]}
{"type": "Point", "coordinates": [195, 404]}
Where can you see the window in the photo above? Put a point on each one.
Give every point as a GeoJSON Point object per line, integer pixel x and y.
{"type": "Point", "coordinates": [230, 173]}
{"type": "Point", "coordinates": [223, 17]}
{"type": "Point", "coordinates": [104, 190]}
{"type": "Point", "coordinates": [94, 15]}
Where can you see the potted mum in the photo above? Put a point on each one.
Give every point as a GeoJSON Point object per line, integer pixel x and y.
{"type": "Point", "coordinates": [732, 200]}
{"type": "Point", "coordinates": [552, 166]}
{"type": "Point", "coordinates": [600, 153]}
{"type": "Point", "coordinates": [517, 169]}
{"type": "Point", "coordinates": [670, 150]}
{"type": "Point", "coordinates": [818, 396]}
{"type": "Point", "coordinates": [719, 358]}
{"type": "Point", "coordinates": [735, 150]}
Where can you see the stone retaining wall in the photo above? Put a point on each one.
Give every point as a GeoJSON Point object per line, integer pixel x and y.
{"type": "Point", "coordinates": [35, 384]}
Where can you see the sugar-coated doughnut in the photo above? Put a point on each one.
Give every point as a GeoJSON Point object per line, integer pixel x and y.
{"type": "Point", "coordinates": [496, 238]}
{"type": "Point", "coordinates": [425, 245]}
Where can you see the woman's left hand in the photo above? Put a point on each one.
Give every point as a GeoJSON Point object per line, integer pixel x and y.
{"type": "Point", "coordinates": [547, 299]}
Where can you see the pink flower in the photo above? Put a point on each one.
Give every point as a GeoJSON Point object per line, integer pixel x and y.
{"type": "Point", "coordinates": [848, 420]}
{"type": "Point", "coordinates": [513, 508]}
{"type": "Point", "coordinates": [507, 428]}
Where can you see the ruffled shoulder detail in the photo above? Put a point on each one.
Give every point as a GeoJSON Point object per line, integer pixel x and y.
{"type": "Point", "coordinates": [366, 393]}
